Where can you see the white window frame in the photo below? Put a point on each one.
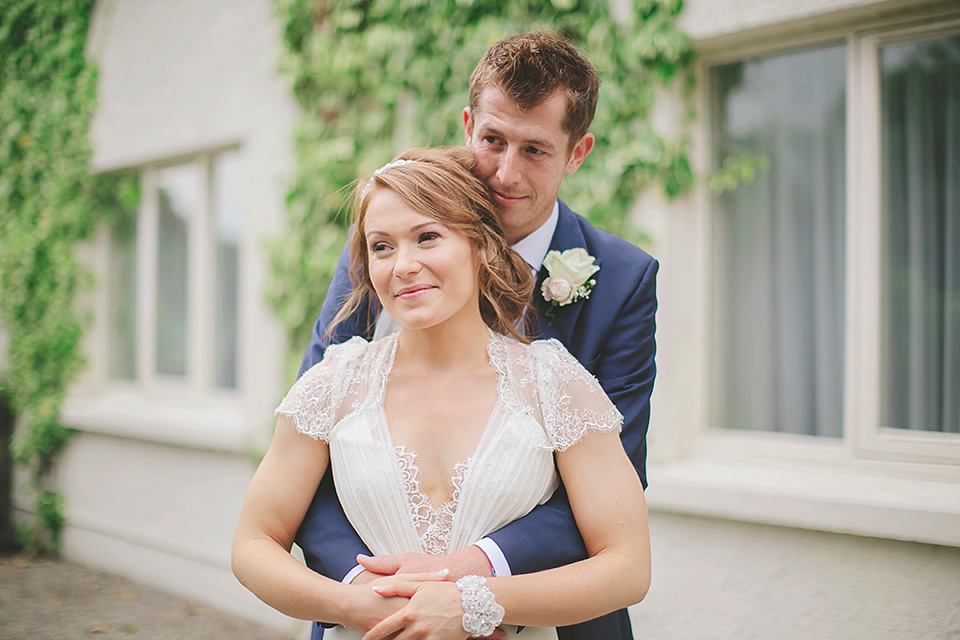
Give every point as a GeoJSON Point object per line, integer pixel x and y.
{"type": "Point", "coordinates": [872, 481]}
{"type": "Point", "coordinates": [864, 246]}
{"type": "Point", "coordinates": [199, 378]}
{"type": "Point", "coordinates": [190, 410]}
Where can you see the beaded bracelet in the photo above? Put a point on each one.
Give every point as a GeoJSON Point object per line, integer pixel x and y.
{"type": "Point", "coordinates": [481, 613]}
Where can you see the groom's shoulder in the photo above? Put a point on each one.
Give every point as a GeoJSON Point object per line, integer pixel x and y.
{"type": "Point", "coordinates": [612, 250]}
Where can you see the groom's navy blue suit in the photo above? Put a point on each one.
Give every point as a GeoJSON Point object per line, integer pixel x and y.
{"type": "Point", "coordinates": [611, 334]}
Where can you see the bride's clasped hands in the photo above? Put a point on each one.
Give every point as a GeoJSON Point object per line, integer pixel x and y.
{"type": "Point", "coordinates": [434, 608]}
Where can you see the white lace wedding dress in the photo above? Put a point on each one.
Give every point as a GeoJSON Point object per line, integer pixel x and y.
{"type": "Point", "coordinates": [546, 402]}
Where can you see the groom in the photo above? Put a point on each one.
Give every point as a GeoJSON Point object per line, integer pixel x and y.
{"type": "Point", "coordinates": [532, 99]}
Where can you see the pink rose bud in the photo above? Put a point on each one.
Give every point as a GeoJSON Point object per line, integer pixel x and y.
{"type": "Point", "coordinates": [560, 290]}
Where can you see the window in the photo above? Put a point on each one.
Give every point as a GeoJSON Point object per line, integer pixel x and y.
{"type": "Point", "coordinates": [122, 274]}
{"type": "Point", "coordinates": [779, 267]}
{"type": "Point", "coordinates": [779, 263]}
{"type": "Point", "coordinates": [228, 208]}
{"type": "Point", "coordinates": [904, 390]}
{"type": "Point", "coordinates": [812, 335]}
{"type": "Point", "coordinates": [174, 294]}
{"type": "Point", "coordinates": [836, 307]}
{"type": "Point", "coordinates": [920, 120]}
{"type": "Point", "coordinates": [178, 195]}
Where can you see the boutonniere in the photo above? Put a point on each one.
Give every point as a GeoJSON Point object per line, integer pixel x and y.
{"type": "Point", "coordinates": [569, 277]}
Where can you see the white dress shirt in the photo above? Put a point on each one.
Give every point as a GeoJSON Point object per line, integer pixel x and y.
{"type": "Point", "coordinates": [533, 248]}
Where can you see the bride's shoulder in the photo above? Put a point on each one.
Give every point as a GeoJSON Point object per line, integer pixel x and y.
{"type": "Point", "coordinates": [544, 358]}
{"type": "Point", "coordinates": [546, 349]}
{"type": "Point", "coordinates": [551, 351]}
{"type": "Point", "coordinates": [555, 367]}
{"type": "Point", "coordinates": [352, 349]}
{"type": "Point", "coordinates": [351, 353]}
{"type": "Point", "coordinates": [318, 399]}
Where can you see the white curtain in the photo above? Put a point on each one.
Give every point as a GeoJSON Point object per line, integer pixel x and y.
{"type": "Point", "coordinates": [779, 244]}
{"type": "Point", "coordinates": [921, 321]}
{"type": "Point", "coordinates": [122, 283]}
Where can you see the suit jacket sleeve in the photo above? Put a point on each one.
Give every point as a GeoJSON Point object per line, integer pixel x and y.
{"type": "Point", "coordinates": [548, 536]}
{"type": "Point", "coordinates": [329, 543]}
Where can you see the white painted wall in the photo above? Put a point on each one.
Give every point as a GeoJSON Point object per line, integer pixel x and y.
{"type": "Point", "coordinates": [724, 580]}
{"type": "Point", "coordinates": [163, 515]}
{"type": "Point", "coordinates": [179, 76]}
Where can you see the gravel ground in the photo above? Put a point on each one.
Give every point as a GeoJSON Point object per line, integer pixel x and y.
{"type": "Point", "coordinates": [53, 600]}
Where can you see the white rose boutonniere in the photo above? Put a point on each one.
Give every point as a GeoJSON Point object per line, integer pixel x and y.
{"type": "Point", "coordinates": [569, 276]}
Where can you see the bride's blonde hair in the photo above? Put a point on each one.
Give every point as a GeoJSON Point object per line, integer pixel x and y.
{"type": "Point", "coordinates": [439, 183]}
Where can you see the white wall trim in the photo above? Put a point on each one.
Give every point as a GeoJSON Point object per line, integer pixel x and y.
{"type": "Point", "coordinates": [809, 496]}
{"type": "Point", "coordinates": [212, 424]}
{"type": "Point", "coordinates": [823, 26]}
{"type": "Point", "coordinates": [165, 157]}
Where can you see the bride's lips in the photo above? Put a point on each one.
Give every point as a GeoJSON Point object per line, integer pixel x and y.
{"type": "Point", "coordinates": [409, 293]}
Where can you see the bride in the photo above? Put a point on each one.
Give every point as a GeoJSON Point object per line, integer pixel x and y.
{"type": "Point", "coordinates": [444, 432]}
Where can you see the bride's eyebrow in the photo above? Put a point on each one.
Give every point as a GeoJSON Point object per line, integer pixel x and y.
{"type": "Point", "coordinates": [417, 227]}
{"type": "Point", "coordinates": [375, 234]}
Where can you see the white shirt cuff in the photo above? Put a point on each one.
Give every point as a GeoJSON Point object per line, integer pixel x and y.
{"type": "Point", "coordinates": [353, 573]}
{"type": "Point", "coordinates": [498, 561]}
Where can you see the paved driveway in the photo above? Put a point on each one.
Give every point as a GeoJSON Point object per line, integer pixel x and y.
{"type": "Point", "coordinates": [53, 600]}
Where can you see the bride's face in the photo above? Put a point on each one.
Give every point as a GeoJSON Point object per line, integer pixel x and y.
{"type": "Point", "coordinates": [423, 271]}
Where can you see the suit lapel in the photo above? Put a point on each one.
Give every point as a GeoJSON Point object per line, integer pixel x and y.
{"type": "Point", "coordinates": [568, 235]}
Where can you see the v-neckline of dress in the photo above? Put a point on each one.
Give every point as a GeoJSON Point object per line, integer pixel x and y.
{"type": "Point", "coordinates": [434, 523]}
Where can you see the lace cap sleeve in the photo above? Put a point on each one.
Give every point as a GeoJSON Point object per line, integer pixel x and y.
{"type": "Point", "coordinates": [316, 400]}
{"type": "Point", "coordinates": [571, 400]}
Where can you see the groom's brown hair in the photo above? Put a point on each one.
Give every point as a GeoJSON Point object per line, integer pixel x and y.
{"type": "Point", "coordinates": [531, 67]}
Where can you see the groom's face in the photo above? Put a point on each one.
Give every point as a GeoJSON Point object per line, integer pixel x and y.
{"type": "Point", "coordinates": [522, 156]}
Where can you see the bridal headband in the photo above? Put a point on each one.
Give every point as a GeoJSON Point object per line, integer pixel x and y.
{"type": "Point", "coordinates": [390, 165]}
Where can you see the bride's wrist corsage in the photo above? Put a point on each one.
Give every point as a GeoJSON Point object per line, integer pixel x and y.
{"type": "Point", "coordinates": [481, 613]}
{"type": "Point", "coordinates": [569, 277]}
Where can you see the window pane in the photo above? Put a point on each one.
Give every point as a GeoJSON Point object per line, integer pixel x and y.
{"type": "Point", "coordinates": [921, 277]}
{"type": "Point", "coordinates": [228, 212]}
{"type": "Point", "coordinates": [178, 193]}
{"type": "Point", "coordinates": [122, 362]}
{"type": "Point", "coordinates": [779, 243]}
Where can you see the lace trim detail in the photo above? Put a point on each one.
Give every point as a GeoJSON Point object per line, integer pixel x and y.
{"type": "Point", "coordinates": [500, 360]}
{"type": "Point", "coordinates": [380, 368]}
{"type": "Point", "coordinates": [434, 524]}
{"type": "Point", "coordinates": [572, 427]}
{"type": "Point", "coordinates": [335, 387]}
{"type": "Point", "coordinates": [558, 373]}
{"type": "Point", "coordinates": [545, 373]}
{"type": "Point", "coordinates": [317, 398]}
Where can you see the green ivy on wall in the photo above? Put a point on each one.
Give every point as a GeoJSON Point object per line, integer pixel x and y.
{"type": "Point", "coordinates": [375, 76]}
{"type": "Point", "coordinates": [49, 202]}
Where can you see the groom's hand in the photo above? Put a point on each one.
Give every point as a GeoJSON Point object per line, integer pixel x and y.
{"type": "Point", "coordinates": [470, 560]}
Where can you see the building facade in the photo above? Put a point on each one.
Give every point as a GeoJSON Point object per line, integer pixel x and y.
{"type": "Point", "coordinates": [184, 358]}
{"type": "Point", "coordinates": [805, 454]}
